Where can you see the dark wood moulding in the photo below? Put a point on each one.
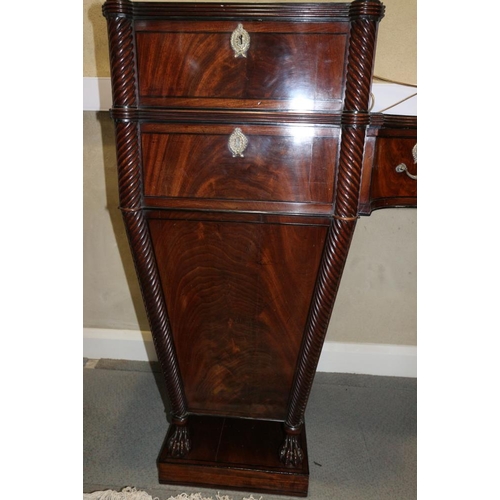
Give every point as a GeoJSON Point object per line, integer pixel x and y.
{"type": "Point", "coordinates": [296, 12]}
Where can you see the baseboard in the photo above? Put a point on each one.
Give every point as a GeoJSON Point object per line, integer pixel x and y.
{"type": "Point", "coordinates": [336, 357]}
{"type": "Point", "coordinates": [369, 359]}
{"type": "Point", "coordinates": [133, 345]}
{"type": "Point", "coordinates": [97, 96]}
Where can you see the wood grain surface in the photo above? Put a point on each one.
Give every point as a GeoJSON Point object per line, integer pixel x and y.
{"type": "Point", "coordinates": [386, 182]}
{"type": "Point", "coordinates": [293, 164]}
{"type": "Point", "coordinates": [298, 66]}
{"type": "Point", "coordinates": [238, 296]}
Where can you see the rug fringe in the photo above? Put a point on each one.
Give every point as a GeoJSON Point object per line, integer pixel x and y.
{"type": "Point", "coordinates": [198, 496]}
{"type": "Point", "coordinates": [127, 493]}
{"type": "Point", "coordinates": [130, 493]}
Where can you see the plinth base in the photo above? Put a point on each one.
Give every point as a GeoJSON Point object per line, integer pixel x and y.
{"type": "Point", "coordinates": [235, 453]}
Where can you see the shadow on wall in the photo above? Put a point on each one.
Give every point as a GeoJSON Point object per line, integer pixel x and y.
{"type": "Point", "coordinates": [112, 204]}
{"type": "Point", "coordinates": [96, 24]}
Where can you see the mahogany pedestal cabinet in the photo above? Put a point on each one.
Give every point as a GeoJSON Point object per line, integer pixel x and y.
{"type": "Point", "coordinates": [246, 153]}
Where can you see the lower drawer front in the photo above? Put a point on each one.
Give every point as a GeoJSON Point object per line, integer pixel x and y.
{"type": "Point", "coordinates": [262, 163]}
{"type": "Point", "coordinates": [387, 180]}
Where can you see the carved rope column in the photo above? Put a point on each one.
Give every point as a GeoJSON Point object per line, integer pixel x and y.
{"type": "Point", "coordinates": [365, 15]}
{"type": "Point", "coordinates": [122, 60]}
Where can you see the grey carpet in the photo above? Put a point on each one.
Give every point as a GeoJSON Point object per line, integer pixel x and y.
{"type": "Point", "coordinates": [361, 434]}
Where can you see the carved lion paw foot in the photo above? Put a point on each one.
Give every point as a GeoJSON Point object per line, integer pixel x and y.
{"type": "Point", "coordinates": [291, 453]}
{"type": "Point", "coordinates": [179, 444]}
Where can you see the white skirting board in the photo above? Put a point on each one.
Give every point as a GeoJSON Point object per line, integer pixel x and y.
{"type": "Point", "coordinates": [336, 357]}
{"type": "Point", "coordinates": [97, 96]}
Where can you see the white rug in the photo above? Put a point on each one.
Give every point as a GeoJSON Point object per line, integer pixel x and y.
{"type": "Point", "coordinates": [129, 493]}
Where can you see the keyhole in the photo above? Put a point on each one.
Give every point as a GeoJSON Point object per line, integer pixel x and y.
{"type": "Point", "coordinates": [240, 38]}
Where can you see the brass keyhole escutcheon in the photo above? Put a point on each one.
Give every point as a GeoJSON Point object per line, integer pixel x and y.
{"type": "Point", "coordinates": [240, 41]}
{"type": "Point", "coordinates": [238, 142]}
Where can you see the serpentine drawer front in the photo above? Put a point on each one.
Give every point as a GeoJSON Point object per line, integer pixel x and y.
{"type": "Point", "coordinates": [246, 154]}
{"type": "Point", "coordinates": [390, 164]}
{"type": "Point", "coordinates": [389, 181]}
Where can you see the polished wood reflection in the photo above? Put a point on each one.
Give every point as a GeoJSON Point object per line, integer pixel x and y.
{"type": "Point", "coordinates": [289, 164]}
{"type": "Point", "coordinates": [300, 67]}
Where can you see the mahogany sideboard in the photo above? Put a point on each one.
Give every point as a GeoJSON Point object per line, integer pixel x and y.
{"type": "Point", "coordinates": [246, 153]}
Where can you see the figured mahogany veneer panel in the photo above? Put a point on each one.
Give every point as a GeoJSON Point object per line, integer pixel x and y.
{"type": "Point", "coordinates": [294, 164]}
{"type": "Point", "coordinates": [386, 182]}
{"type": "Point", "coordinates": [238, 296]}
{"type": "Point", "coordinates": [297, 62]}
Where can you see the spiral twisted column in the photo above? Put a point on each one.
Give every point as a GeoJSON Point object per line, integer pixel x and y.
{"type": "Point", "coordinates": [129, 182]}
{"type": "Point", "coordinates": [365, 16]}
{"type": "Point", "coordinates": [349, 172]}
{"type": "Point", "coordinates": [334, 258]}
{"type": "Point", "coordinates": [355, 118]}
{"type": "Point", "coordinates": [128, 160]}
{"type": "Point", "coordinates": [122, 60]}
{"type": "Point", "coordinates": [144, 259]}
{"type": "Point", "coordinates": [121, 51]}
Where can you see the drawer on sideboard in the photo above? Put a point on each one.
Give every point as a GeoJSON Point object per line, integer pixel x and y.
{"type": "Point", "coordinates": [253, 162]}
{"type": "Point", "coordinates": [387, 180]}
{"type": "Point", "coordinates": [288, 65]}
{"type": "Point", "coordinates": [389, 170]}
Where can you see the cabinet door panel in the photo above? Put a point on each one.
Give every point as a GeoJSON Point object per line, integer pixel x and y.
{"type": "Point", "coordinates": [238, 297]}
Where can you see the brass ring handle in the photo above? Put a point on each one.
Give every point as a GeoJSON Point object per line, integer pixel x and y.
{"type": "Point", "coordinates": [240, 41]}
{"type": "Point", "coordinates": [237, 143]}
{"type": "Point", "coordinates": [403, 168]}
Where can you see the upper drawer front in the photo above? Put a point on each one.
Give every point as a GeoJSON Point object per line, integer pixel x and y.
{"type": "Point", "coordinates": [270, 163]}
{"type": "Point", "coordinates": [285, 65]}
{"type": "Point", "coordinates": [387, 182]}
